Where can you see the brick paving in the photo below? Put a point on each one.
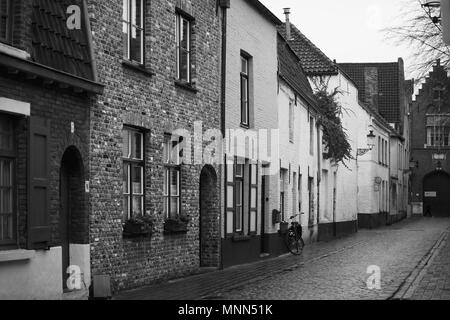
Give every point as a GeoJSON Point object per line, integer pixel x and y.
{"type": "Point", "coordinates": [435, 283]}
{"type": "Point", "coordinates": [332, 270]}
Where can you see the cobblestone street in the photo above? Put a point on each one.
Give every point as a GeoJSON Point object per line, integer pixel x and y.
{"type": "Point", "coordinates": [333, 270]}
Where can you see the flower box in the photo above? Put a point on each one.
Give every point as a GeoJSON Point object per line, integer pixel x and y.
{"type": "Point", "coordinates": [174, 226]}
{"type": "Point", "coordinates": [138, 227]}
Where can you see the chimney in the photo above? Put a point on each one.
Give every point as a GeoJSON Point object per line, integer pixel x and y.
{"type": "Point", "coordinates": [287, 12]}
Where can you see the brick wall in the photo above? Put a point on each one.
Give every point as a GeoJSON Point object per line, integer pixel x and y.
{"type": "Point", "coordinates": [156, 104]}
{"type": "Point", "coordinates": [61, 107]}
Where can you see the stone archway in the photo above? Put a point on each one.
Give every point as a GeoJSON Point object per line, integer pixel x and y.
{"type": "Point", "coordinates": [436, 187]}
{"type": "Point", "coordinates": [209, 219]}
{"type": "Point", "coordinates": [74, 218]}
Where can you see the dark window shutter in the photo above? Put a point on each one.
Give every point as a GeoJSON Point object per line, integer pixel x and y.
{"type": "Point", "coordinates": [38, 173]}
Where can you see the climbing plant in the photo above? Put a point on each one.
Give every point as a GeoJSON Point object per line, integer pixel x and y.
{"type": "Point", "coordinates": [335, 138]}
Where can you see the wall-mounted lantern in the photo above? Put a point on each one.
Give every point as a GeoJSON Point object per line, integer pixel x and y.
{"type": "Point", "coordinates": [413, 164]}
{"type": "Point", "coordinates": [370, 144]}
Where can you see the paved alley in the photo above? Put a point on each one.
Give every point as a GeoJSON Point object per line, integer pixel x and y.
{"type": "Point", "coordinates": [333, 270]}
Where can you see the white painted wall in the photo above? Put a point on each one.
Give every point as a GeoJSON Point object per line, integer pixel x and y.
{"type": "Point", "coordinates": [38, 278]}
{"type": "Point", "coordinates": [249, 31]}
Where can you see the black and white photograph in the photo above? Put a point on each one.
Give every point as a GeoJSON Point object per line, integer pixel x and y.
{"type": "Point", "coordinates": [224, 155]}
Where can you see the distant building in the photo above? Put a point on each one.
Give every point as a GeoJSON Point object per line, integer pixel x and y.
{"type": "Point", "coordinates": [382, 86]}
{"type": "Point", "coordinates": [431, 145]}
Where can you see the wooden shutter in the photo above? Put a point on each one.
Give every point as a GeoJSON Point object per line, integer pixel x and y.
{"type": "Point", "coordinates": [38, 184]}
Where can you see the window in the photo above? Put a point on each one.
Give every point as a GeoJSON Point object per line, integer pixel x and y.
{"type": "Point", "coordinates": [183, 38]}
{"type": "Point", "coordinates": [311, 136]}
{"type": "Point", "coordinates": [438, 93]}
{"type": "Point", "coordinates": [172, 176]}
{"type": "Point", "coordinates": [438, 130]}
{"type": "Point", "coordinates": [7, 164]}
{"type": "Point", "coordinates": [241, 198]}
{"type": "Point", "coordinates": [283, 174]}
{"type": "Point", "coordinates": [245, 91]}
{"type": "Point", "coordinates": [379, 149]}
{"type": "Point", "coordinates": [133, 30]}
{"type": "Point", "coordinates": [5, 20]}
{"type": "Point", "coordinates": [133, 173]}
{"type": "Point", "coordinates": [291, 121]}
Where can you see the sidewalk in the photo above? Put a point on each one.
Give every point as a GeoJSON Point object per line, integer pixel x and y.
{"type": "Point", "coordinates": [209, 286]}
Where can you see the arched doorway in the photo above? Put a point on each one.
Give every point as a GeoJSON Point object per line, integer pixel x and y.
{"type": "Point", "coordinates": [209, 219]}
{"type": "Point", "coordinates": [436, 187]}
{"type": "Point", "coordinates": [73, 215]}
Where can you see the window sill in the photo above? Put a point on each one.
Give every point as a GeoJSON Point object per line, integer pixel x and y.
{"type": "Point", "coordinates": [16, 255]}
{"type": "Point", "coordinates": [185, 85]}
{"type": "Point", "coordinates": [137, 67]}
{"type": "Point", "coordinates": [241, 238]}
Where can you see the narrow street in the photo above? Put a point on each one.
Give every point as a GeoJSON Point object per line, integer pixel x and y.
{"type": "Point", "coordinates": [411, 255]}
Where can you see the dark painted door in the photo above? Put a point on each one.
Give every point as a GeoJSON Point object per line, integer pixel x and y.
{"type": "Point", "coordinates": [64, 225]}
{"type": "Point", "coordinates": [437, 194]}
{"type": "Point", "coordinates": [263, 214]}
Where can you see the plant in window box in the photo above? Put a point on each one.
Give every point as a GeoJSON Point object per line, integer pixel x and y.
{"type": "Point", "coordinates": [176, 225]}
{"type": "Point", "coordinates": [138, 226]}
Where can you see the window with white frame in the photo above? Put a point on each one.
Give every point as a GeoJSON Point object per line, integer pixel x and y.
{"type": "Point", "coordinates": [245, 90]}
{"type": "Point", "coordinates": [183, 39]}
{"type": "Point", "coordinates": [133, 30]}
{"type": "Point", "coordinates": [291, 121]}
{"type": "Point", "coordinates": [172, 176]}
{"type": "Point", "coordinates": [241, 198]}
{"type": "Point", "coordinates": [438, 130]}
{"type": "Point", "coordinates": [133, 173]}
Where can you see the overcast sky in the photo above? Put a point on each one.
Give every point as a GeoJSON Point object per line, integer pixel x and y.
{"type": "Point", "coordinates": [347, 30]}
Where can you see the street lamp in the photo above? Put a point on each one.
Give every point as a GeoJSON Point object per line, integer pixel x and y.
{"type": "Point", "coordinates": [413, 164]}
{"type": "Point", "coordinates": [431, 8]}
{"type": "Point", "coordinates": [370, 144]}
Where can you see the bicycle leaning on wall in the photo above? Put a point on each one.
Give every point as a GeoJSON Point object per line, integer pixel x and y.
{"type": "Point", "coordinates": [293, 238]}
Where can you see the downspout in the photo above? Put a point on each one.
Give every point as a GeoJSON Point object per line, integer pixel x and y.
{"type": "Point", "coordinates": [224, 5]}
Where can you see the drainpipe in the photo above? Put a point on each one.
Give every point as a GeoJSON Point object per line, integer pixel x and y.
{"type": "Point", "coordinates": [224, 5]}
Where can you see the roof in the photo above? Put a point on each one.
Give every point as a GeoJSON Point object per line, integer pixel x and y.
{"type": "Point", "coordinates": [54, 45]}
{"type": "Point", "coordinates": [388, 86]}
{"type": "Point", "coordinates": [265, 11]}
{"type": "Point", "coordinates": [313, 60]}
{"type": "Point", "coordinates": [291, 71]}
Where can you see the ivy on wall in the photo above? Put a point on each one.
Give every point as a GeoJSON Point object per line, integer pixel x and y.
{"type": "Point", "coordinates": [335, 138]}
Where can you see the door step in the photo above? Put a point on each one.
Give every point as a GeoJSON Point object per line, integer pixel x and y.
{"type": "Point", "coordinates": [264, 255]}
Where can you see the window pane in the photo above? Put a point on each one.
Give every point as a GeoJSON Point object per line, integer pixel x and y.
{"type": "Point", "coordinates": [238, 219]}
{"type": "Point", "coordinates": [6, 134]}
{"type": "Point", "coordinates": [254, 198]}
{"type": "Point", "coordinates": [137, 146]}
{"type": "Point", "coordinates": [174, 207]}
{"type": "Point", "coordinates": [125, 13]}
{"type": "Point", "coordinates": [137, 180]}
{"type": "Point", "coordinates": [238, 193]}
{"type": "Point", "coordinates": [239, 170]}
{"type": "Point", "coordinates": [137, 36]}
{"type": "Point", "coordinates": [252, 221]}
{"type": "Point", "coordinates": [230, 220]}
{"type": "Point", "coordinates": [174, 183]}
{"type": "Point", "coordinates": [230, 197]}
{"type": "Point", "coordinates": [183, 67]}
{"type": "Point", "coordinates": [254, 174]}
{"type": "Point", "coordinates": [184, 41]}
{"type": "Point", "coordinates": [244, 65]}
{"type": "Point", "coordinates": [126, 180]}
{"type": "Point", "coordinates": [126, 207]}
{"type": "Point", "coordinates": [137, 206]}
{"type": "Point", "coordinates": [230, 173]}
{"type": "Point", "coordinates": [4, 19]}
{"type": "Point", "coordinates": [136, 12]}
{"type": "Point", "coordinates": [166, 182]}
{"type": "Point", "coordinates": [126, 144]}
{"type": "Point", "coordinates": [6, 173]}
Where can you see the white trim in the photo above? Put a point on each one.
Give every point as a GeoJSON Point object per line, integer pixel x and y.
{"type": "Point", "coordinates": [16, 255]}
{"type": "Point", "coordinates": [14, 52]}
{"type": "Point", "coordinates": [14, 106]}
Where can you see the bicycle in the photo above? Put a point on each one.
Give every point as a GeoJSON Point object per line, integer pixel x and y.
{"type": "Point", "coordinates": [293, 238]}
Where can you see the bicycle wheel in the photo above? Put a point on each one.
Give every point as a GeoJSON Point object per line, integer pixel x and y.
{"type": "Point", "coordinates": [294, 244]}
